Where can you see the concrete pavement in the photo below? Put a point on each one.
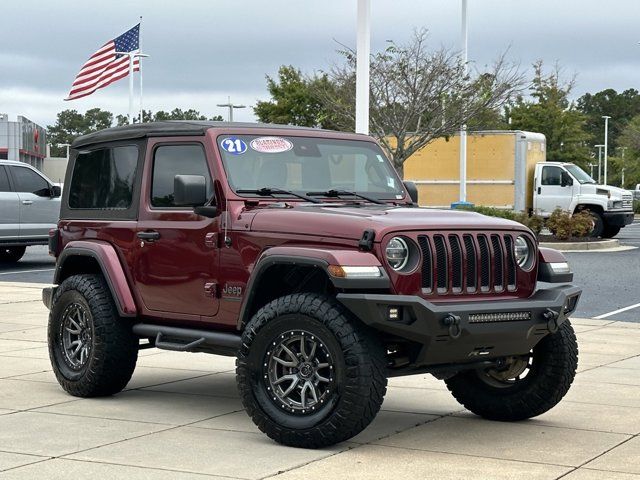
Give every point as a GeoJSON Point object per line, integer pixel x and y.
{"type": "Point", "coordinates": [180, 418]}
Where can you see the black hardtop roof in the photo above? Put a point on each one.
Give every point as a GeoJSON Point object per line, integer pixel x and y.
{"type": "Point", "coordinates": [170, 128]}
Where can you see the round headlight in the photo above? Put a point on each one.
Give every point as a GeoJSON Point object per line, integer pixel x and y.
{"type": "Point", "coordinates": [522, 251]}
{"type": "Point", "coordinates": [397, 253]}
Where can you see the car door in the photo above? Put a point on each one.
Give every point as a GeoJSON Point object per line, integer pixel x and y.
{"type": "Point", "coordinates": [9, 208]}
{"type": "Point", "coordinates": [176, 270]}
{"type": "Point", "coordinates": [39, 211]}
{"type": "Point", "coordinates": [551, 194]}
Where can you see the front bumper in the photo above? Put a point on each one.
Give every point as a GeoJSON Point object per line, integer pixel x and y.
{"type": "Point", "coordinates": [460, 332]}
{"type": "Point", "coordinates": [618, 219]}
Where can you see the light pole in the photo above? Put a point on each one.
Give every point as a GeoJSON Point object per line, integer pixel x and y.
{"type": "Point", "coordinates": [591, 165]}
{"type": "Point", "coordinates": [622, 179]}
{"type": "Point", "coordinates": [606, 142]}
{"type": "Point", "coordinates": [463, 128]}
{"type": "Point", "coordinates": [230, 106]}
{"type": "Point", "coordinates": [599, 160]}
{"type": "Point", "coordinates": [363, 54]}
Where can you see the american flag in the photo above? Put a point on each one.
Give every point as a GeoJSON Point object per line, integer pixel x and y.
{"type": "Point", "coordinates": [106, 66]}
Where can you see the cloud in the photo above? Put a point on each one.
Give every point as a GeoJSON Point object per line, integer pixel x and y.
{"type": "Point", "coordinates": [202, 51]}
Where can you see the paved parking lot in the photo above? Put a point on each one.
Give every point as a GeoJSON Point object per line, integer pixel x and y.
{"type": "Point", "coordinates": [180, 418]}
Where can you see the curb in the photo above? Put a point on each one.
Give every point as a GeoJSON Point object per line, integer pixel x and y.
{"type": "Point", "coordinates": [582, 246]}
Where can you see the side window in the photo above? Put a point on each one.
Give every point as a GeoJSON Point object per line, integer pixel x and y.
{"type": "Point", "coordinates": [551, 176]}
{"type": "Point", "coordinates": [172, 160]}
{"type": "Point", "coordinates": [29, 181]}
{"type": "Point", "coordinates": [4, 180]}
{"type": "Point", "coordinates": [104, 178]}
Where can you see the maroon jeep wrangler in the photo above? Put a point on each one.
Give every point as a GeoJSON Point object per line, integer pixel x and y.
{"type": "Point", "coordinates": [301, 252]}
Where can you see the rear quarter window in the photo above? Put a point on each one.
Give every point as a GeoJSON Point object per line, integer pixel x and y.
{"type": "Point", "coordinates": [104, 178]}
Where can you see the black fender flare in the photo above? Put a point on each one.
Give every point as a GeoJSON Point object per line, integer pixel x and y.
{"type": "Point", "coordinates": [381, 283]}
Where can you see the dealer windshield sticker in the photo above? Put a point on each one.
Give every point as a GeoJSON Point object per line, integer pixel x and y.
{"type": "Point", "coordinates": [271, 144]}
{"type": "Point", "coordinates": [233, 145]}
{"type": "Point", "coordinates": [380, 159]}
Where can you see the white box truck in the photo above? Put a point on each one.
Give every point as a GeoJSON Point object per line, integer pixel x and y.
{"type": "Point", "coordinates": [508, 169]}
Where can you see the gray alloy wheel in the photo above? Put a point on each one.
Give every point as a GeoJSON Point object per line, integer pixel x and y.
{"type": "Point", "coordinates": [77, 335]}
{"type": "Point", "coordinates": [299, 371]}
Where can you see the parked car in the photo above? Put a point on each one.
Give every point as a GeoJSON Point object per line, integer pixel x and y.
{"type": "Point", "coordinates": [636, 192]}
{"type": "Point", "coordinates": [302, 253]}
{"type": "Point", "coordinates": [29, 208]}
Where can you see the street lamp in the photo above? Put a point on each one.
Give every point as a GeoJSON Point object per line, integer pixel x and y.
{"type": "Point", "coordinates": [622, 179]}
{"type": "Point", "coordinates": [363, 54]}
{"type": "Point", "coordinates": [230, 106]}
{"type": "Point", "coordinates": [463, 128]}
{"type": "Point", "coordinates": [591, 165]}
{"type": "Point", "coordinates": [599, 160]}
{"type": "Point", "coordinates": [606, 142]}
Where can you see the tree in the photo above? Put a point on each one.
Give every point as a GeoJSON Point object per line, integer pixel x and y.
{"type": "Point", "coordinates": [294, 100]}
{"type": "Point", "coordinates": [161, 115]}
{"type": "Point", "coordinates": [630, 140]}
{"type": "Point", "coordinates": [621, 107]}
{"type": "Point", "coordinates": [418, 95]}
{"type": "Point", "coordinates": [71, 124]}
{"type": "Point", "coordinates": [550, 111]}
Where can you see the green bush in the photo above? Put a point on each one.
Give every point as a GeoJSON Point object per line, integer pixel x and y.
{"type": "Point", "coordinates": [534, 222]}
{"type": "Point", "coordinates": [563, 225]}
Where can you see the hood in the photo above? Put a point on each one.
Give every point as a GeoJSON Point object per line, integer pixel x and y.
{"type": "Point", "coordinates": [350, 221]}
{"type": "Point", "coordinates": [614, 192]}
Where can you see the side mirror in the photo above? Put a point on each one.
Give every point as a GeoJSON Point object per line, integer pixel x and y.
{"type": "Point", "coordinates": [412, 190]}
{"type": "Point", "coordinates": [209, 211]}
{"type": "Point", "coordinates": [189, 190]}
{"type": "Point", "coordinates": [56, 191]}
{"type": "Point", "coordinates": [566, 180]}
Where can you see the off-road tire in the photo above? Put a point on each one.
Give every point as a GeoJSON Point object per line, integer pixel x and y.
{"type": "Point", "coordinates": [555, 360]}
{"type": "Point", "coordinates": [11, 254]}
{"type": "Point", "coordinates": [359, 372]}
{"type": "Point", "coordinates": [598, 225]}
{"type": "Point", "coordinates": [114, 348]}
{"type": "Point", "coordinates": [610, 231]}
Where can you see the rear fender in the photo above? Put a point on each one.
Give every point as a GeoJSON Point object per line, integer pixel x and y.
{"type": "Point", "coordinates": [107, 258]}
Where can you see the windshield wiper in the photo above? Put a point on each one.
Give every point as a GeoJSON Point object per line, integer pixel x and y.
{"type": "Point", "coordinates": [339, 193]}
{"type": "Point", "coordinates": [270, 192]}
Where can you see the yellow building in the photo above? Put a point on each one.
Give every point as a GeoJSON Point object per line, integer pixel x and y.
{"type": "Point", "coordinates": [500, 168]}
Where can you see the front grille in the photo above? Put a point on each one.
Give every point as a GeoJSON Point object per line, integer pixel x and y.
{"type": "Point", "coordinates": [627, 201]}
{"type": "Point", "coordinates": [466, 263]}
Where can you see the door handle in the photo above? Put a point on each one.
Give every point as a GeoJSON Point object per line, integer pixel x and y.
{"type": "Point", "coordinates": [149, 236]}
{"type": "Point", "coordinates": [27, 202]}
{"type": "Point", "coordinates": [539, 190]}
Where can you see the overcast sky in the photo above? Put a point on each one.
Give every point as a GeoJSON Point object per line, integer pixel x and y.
{"type": "Point", "coordinates": [203, 51]}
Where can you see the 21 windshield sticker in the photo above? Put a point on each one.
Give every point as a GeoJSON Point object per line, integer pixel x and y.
{"type": "Point", "coordinates": [233, 145]}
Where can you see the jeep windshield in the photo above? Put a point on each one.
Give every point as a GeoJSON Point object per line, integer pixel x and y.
{"type": "Point", "coordinates": [301, 166]}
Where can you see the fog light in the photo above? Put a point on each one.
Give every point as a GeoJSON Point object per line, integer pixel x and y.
{"type": "Point", "coordinates": [560, 267]}
{"type": "Point", "coordinates": [394, 313]}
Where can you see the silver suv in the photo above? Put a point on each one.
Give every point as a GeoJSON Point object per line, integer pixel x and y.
{"type": "Point", "coordinates": [29, 208]}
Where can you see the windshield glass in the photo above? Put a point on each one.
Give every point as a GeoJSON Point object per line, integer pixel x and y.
{"type": "Point", "coordinates": [579, 174]}
{"type": "Point", "coordinates": [305, 164]}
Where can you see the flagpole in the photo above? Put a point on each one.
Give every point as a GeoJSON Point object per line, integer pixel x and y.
{"type": "Point", "coordinates": [131, 58]}
{"type": "Point", "coordinates": [140, 65]}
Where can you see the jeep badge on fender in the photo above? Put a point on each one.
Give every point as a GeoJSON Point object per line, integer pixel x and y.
{"type": "Point", "coordinates": [332, 278]}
